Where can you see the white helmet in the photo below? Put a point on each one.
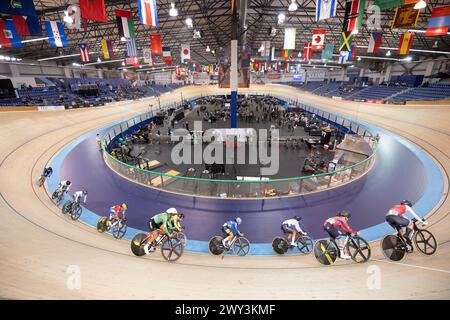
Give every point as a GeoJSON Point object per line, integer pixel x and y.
{"type": "Point", "coordinates": [238, 220]}
{"type": "Point", "coordinates": [172, 211]}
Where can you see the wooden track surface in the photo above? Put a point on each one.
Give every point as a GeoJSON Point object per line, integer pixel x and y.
{"type": "Point", "coordinates": [38, 244]}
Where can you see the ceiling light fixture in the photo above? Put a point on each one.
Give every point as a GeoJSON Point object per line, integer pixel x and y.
{"type": "Point", "coordinates": [208, 49]}
{"type": "Point", "coordinates": [189, 22]}
{"type": "Point", "coordinates": [281, 18]}
{"type": "Point", "coordinates": [173, 12]}
{"type": "Point", "coordinates": [420, 5]}
{"type": "Point", "coordinates": [388, 53]}
{"type": "Point", "coordinates": [293, 6]}
{"type": "Point", "coordinates": [67, 19]}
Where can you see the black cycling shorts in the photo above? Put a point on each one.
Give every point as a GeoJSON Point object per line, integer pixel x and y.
{"type": "Point", "coordinates": [331, 230]}
{"type": "Point", "coordinates": [286, 229]}
{"type": "Point", "coordinates": [152, 225]}
{"type": "Point", "coordinates": [396, 221]}
{"type": "Point", "coordinates": [224, 230]}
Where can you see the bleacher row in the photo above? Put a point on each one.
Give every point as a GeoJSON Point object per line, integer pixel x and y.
{"type": "Point", "coordinates": [394, 94]}
{"type": "Point", "coordinates": [64, 91]}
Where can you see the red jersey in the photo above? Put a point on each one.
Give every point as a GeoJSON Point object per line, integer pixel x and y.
{"type": "Point", "coordinates": [339, 223]}
{"type": "Point", "coordinates": [398, 210]}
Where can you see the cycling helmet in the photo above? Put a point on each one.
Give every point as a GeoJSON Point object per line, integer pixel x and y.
{"type": "Point", "coordinates": [345, 214]}
{"type": "Point", "coordinates": [50, 169]}
{"type": "Point", "coordinates": [172, 211]}
{"type": "Point", "coordinates": [85, 192]}
{"type": "Point", "coordinates": [181, 216]}
{"type": "Point", "coordinates": [68, 183]}
{"type": "Point", "coordinates": [238, 220]}
{"type": "Point", "coordinates": [124, 206]}
{"type": "Point", "coordinates": [298, 218]}
{"type": "Point", "coordinates": [406, 202]}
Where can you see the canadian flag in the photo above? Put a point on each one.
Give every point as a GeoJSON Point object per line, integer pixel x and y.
{"type": "Point", "coordinates": [318, 39]}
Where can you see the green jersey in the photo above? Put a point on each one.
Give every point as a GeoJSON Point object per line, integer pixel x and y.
{"type": "Point", "coordinates": [164, 219]}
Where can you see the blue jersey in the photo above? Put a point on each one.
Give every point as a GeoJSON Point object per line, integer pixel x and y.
{"type": "Point", "coordinates": [47, 172]}
{"type": "Point", "coordinates": [231, 224]}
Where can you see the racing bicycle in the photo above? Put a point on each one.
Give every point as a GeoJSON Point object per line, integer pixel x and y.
{"type": "Point", "coordinates": [327, 251]}
{"type": "Point", "coordinates": [395, 247]}
{"type": "Point", "coordinates": [73, 208]}
{"type": "Point", "coordinates": [58, 195]}
{"type": "Point", "coordinates": [118, 228]}
{"type": "Point", "coordinates": [42, 180]}
{"type": "Point", "coordinates": [172, 248]}
{"type": "Point", "coordinates": [239, 245]}
{"type": "Point", "coordinates": [303, 243]}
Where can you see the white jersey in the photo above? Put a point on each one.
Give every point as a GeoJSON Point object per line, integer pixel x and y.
{"type": "Point", "coordinates": [77, 196]}
{"type": "Point", "coordinates": [292, 223]}
{"type": "Point", "coordinates": [63, 185]}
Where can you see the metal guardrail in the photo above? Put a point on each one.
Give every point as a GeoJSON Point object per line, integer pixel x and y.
{"type": "Point", "coordinates": [243, 189]}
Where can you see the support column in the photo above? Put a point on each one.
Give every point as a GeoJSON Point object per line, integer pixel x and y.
{"type": "Point", "coordinates": [14, 70]}
{"type": "Point", "coordinates": [387, 72]}
{"type": "Point", "coordinates": [233, 83]}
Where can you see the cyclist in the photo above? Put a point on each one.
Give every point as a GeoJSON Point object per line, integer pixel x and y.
{"type": "Point", "coordinates": [64, 186]}
{"type": "Point", "coordinates": [47, 172]}
{"type": "Point", "coordinates": [165, 221]}
{"type": "Point", "coordinates": [230, 228]}
{"type": "Point", "coordinates": [395, 218]}
{"type": "Point", "coordinates": [115, 210]}
{"type": "Point", "coordinates": [77, 196]}
{"type": "Point", "coordinates": [336, 227]}
{"type": "Point", "coordinates": [291, 227]}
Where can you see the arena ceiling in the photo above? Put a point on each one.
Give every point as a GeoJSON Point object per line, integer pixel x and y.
{"type": "Point", "coordinates": [213, 18]}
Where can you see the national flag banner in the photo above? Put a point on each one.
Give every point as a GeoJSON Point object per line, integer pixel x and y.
{"type": "Point", "coordinates": [107, 48]}
{"type": "Point", "coordinates": [405, 43]}
{"type": "Point", "coordinates": [289, 38]}
{"type": "Point", "coordinates": [74, 12]}
{"type": "Point", "coordinates": [125, 23]}
{"type": "Point", "coordinates": [195, 67]}
{"type": "Point", "coordinates": [185, 53]}
{"type": "Point", "coordinates": [156, 43]}
{"type": "Point", "coordinates": [354, 13]}
{"type": "Point", "coordinates": [345, 41]}
{"type": "Point", "coordinates": [439, 21]}
{"type": "Point", "coordinates": [27, 25]}
{"type": "Point", "coordinates": [287, 54]}
{"type": "Point", "coordinates": [132, 60]}
{"type": "Point", "coordinates": [167, 55]}
{"type": "Point", "coordinates": [318, 39]}
{"type": "Point", "coordinates": [389, 4]}
{"type": "Point", "coordinates": [147, 55]}
{"type": "Point", "coordinates": [211, 68]}
{"type": "Point", "coordinates": [307, 51]}
{"type": "Point", "coordinates": [18, 7]}
{"type": "Point", "coordinates": [405, 17]}
{"type": "Point", "coordinates": [266, 48]}
{"type": "Point", "coordinates": [56, 34]}
{"type": "Point", "coordinates": [352, 53]}
{"type": "Point", "coordinates": [327, 52]}
{"type": "Point", "coordinates": [93, 10]}
{"type": "Point", "coordinates": [272, 54]}
{"type": "Point", "coordinates": [375, 42]}
{"type": "Point", "coordinates": [343, 57]}
{"type": "Point", "coordinates": [131, 49]}
{"type": "Point", "coordinates": [148, 13]}
{"type": "Point", "coordinates": [325, 9]}
{"type": "Point", "coordinates": [8, 35]}
{"type": "Point", "coordinates": [84, 52]}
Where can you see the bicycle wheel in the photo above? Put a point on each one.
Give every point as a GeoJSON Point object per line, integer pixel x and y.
{"type": "Point", "coordinates": [119, 231]}
{"type": "Point", "coordinates": [172, 249]}
{"type": "Point", "coordinates": [101, 224]}
{"type": "Point", "coordinates": [66, 207]}
{"type": "Point", "coordinates": [182, 237]}
{"type": "Point", "coordinates": [137, 244]}
{"type": "Point", "coordinates": [393, 247]}
{"type": "Point", "coordinates": [425, 242]}
{"type": "Point", "coordinates": [326, 252]}
{"type": "Point", "coordinates": [241, 246]}
{"type": "Point", "coordinates": [41, 181]}
{"type": "Point", "coordinates": [75, 213]}
{"type": "Point", "coordinates": [215, 245]}
{"type": "Point", "coordinates": [280, 245]}
{"type": "Point", "coordinates": [55, 194]}
{"type": "Point", "coordinates": [305, 244]}
{"type": "Point", "coordinates": [358, 249]}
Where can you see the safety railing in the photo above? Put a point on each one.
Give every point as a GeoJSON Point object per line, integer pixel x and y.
{"type": "Point", "coordinates": [239, 189]}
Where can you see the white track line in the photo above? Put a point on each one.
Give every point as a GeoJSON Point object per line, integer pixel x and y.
{"type": "Point", "coordinates": [412, 266]}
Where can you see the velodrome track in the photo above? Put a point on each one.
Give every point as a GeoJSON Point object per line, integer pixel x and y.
{"type": "Point", "coordinates": [38, 244]}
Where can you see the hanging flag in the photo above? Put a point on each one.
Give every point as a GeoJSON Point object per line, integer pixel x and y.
{"type": "Point", "coordinates": [55, 32]}
{"type": "Point", "coordinates": [405, 17]}
{"type": "Point", "coordinates": [352, 53]}
{"type": "Point", "coordinates": [388, 4]}
{"type": "Point", "coordinates": [318, 39]}
{"type": "Point", "coordinates": [134, 61]}
{"type": "Point", "coordinates": [8, 35]}
{"type": "Point", "coordinates": [354, 13]}
{"type": "Point", "coordinates": [93, 10]}
{"type": "Point", "coordinates": [147, 55]}
{"type": "Point", "coordinates": [343, 57]}
{"type": "Point", "coordinates": [131, 48]}
{"type": "Point", "coordinates": [287, 54]}
{"type": "Point", "coordinates": [125, 23]}
{"type": "Point", "coordinates": [327, 52]}
{"type": "Point", "coordinates": [375, 42]}
{"type": "Point", "coordinates": [195, 67]}
{"type": "Point", "coordinates": [18, 7]}
{"type": "Point", "coordinates": [74, 12]}
{"type": "Point", "coordinates": [272, 54]}
{"type": "Point", "coordinates": [148, 13]}
{"type": "Point", "coordinates": [156, 43]}
{"type": "Point", "coordinates": [185, 53]}
{"type": "Point", "coordinates": [405, 43]}
{"type": "Point", "coordinates": [107, 48]}
{"type": "Point", "coordinates": [266, 48]}
{"type": "Point", "coordinates": [307, 51]}
{"type": "Point", "coordinates": [439, 21]}
{"type": "Point", "coordinates": [211, 68]}
{"type": "Point", "coordinates": [289, 38]}
{"type": "Point", "coordinates": [346, 41]}
{"type": "Point", "coordinates": [84, 52]}
{"type": "Point", "coordinates": [325, 9]}
{"type": "Point", "coordinates": [167, 55]}
{"type": "Point", "coordinates": [27, 25]}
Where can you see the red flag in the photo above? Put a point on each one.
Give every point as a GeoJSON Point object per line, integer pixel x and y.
{"type": "Point", "coordinates": [156, 43]}
{"type": "Point", "coordinates": [318, 39]}
{"type": "Point", "coordinates": [93, 10]}
{"type": "Point", "coordinates": [21, 26]}
{"type": "Point", "coordinates": [307, 51]}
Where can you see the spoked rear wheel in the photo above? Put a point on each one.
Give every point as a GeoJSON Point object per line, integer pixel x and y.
{"type": "Point", "coordinates": [280, 245]}
{"type": "Point", "coordinates": [215, 245]}
{"type": "Point", "coordinates": [182, 237]}
{"type": "Point", "coordinates": [101, 224]}
{"type": "Point", "coordinates": [66, 207]}
{"type": "Point", "coordinates": [55, 194]}
{"type": "Point", "coordinates": [326, 252]}
{"type": "Point", "coordinates": [358, 249]}
{"type": "Point", "coordinates": [75, 212]}
{"type": "Point", "coordinates": [241, 246]}
{"type": "Point", "coordinates": [425, 242]}
{"type": "Point", "coordinates": [393, 247]}
{"type": "Point", "coordinates": [172, 249]}
{"type": "Point", "coordinates": [138, 244]}
{"type": "Point", "coordinates": [119, 230]}
{"type": "Point", "coordinates": [304, 244]}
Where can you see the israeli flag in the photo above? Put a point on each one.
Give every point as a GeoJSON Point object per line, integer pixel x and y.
{"type": "Point", "coordinates": [56, 34]}
{"type": "Point", "coordinates": [325, 9]}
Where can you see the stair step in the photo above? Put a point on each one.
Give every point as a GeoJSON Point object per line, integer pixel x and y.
{"type": "Point", "coordinates": [156, 182]}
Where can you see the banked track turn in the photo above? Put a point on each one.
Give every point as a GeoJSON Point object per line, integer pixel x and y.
{"type": "Point", "coordinates": [38, 244]}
